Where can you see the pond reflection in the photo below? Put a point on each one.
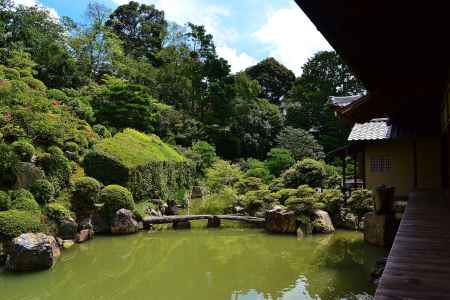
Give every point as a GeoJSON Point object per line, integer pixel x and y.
{"type": "Point", "coordinates": [236, 264]}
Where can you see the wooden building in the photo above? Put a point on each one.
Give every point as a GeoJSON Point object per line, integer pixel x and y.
{"type": "Point", "coordinates": [400, 51]}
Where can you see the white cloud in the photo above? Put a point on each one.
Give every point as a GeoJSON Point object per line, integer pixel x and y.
{"type": "Point", "coordinates": [52, 11]}
{"type": "Point", "coordinates": [291, 38]}
{"type": "Point", "coordinates": [238, 61]}
{"type": "Point", "coordinates": [213, 17]}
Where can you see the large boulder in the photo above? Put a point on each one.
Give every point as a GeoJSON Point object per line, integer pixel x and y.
{"type": "Point", "coordinates": [26, 174]}
{"type": "Point", "coordinates": [84, 235]}
{"type": "Point", "coordinates": [68, 229]}
{"type": "Point", "coordinates": [100, 224]}
{"type": "Point", "coordinates": [279, 220]}
{"type": "Point", "coordinates": [32, 252]}
{"type": "Point", "coordinates": [322, 222]}
{"type": "Point", "coordinates": [124, 222]}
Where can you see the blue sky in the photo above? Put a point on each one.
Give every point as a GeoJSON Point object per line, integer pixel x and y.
{"type": "Point", "coordinates": [245, 31]}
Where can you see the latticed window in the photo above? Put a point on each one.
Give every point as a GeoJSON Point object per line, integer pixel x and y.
{"type": "Point", "coordinates": [380, 163]}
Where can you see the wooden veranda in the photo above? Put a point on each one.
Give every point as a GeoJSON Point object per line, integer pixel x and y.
{"type": "Point", "coordinates": [418, 266]}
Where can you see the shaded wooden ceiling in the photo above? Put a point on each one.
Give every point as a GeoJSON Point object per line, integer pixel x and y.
{"type": "Point", "coordinates": [399, 49]}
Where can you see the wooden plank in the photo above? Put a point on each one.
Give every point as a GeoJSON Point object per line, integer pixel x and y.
{"type": "Point", "coordinates": [418, 266]}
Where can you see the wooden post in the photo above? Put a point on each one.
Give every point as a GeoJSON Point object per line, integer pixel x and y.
{"type": "Point", "coordinates": [364, 167]}
{"type": "Point", "coordinates": [414, 145]}
{"type": "Point", "coordinates": [355, 171]}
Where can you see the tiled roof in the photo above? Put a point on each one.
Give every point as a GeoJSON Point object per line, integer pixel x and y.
{"type": "Point", "coordinates": [376, 129]}
{"type": "Point", "coordinates": [343, 101]}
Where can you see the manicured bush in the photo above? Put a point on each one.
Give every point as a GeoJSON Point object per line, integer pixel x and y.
{"type": "Point", "coordinates": [14, 222]}
{"type": "Point", "coordinates": [23, 200]}
{"type": "Point", "coordinates": [35, 84]}
{"type": "Point", "coordinates": [278, 160]}
{"type": "Point", "coordinates": [5, 201]}
{"type": "Point", "coordinates": [207, 153]}
{"type": "Point", "coordinates": [222, 174]}
{"type": "Point", "coordinates": [11, 74]}
{"type": "Point", "coordinates": [308, 171]}
{"type": "Point", "coordinates": [148, 167]}
{"type": "Point", "coordinates": [256, 200]}
{"type": "Point", "coordinates": [332, 200]}
{"type": "Point", "coordinates": [247, 184]}
{"type": "Point", "coordinates": [57, 95]}
{"type": "Point", "coordinates": [303, 201]}
{"type": "Point", "coordinates": [55, 150]}
{"type": "Point", "coordinates": [85, 193]}
{"type": "Point", "coordinates": [8, 162]}
{"type": "Point", "coordinates": [102, 131]}
{"type": "Point", "coordinates": [115, 197]}
{"type": "Point", "coordinates": [23, 150]}
{"type": "Point", "coordinates": [43, 191]}
{"type": "Point", "coordinates": [333, 178]}
{"type": "Point", "coordinates": [217, 204]}
{"type": "Point", "coordinates": [360, 202]}
{"type": "Point", "coordinates": [71, 147]}
{"type": "Point", "coordinates": [284, 194]}
{"type": "Point", "coordinates": [56, 167]}
{"type": "Point", "coordinates": [46, 133]}
{"type": "Point", "coordinates": [57, 212]}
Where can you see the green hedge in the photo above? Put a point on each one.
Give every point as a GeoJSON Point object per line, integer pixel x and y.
{"type": "Point", "coordinates": [14, 222]}
{"type": "Point", "coordinates": [142, 163]}
{"type": "Point", "coordinates": [24, 200]}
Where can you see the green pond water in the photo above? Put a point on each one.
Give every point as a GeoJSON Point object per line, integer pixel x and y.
{"type": "Point", "coordinates": [201, 264]}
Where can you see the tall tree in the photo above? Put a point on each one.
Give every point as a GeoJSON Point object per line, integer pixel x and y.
{"type": "Point", "coordinates": [275, 79]}
{"type": "Point", "coordinates": [141, 27]}
{"type": "Point", "coordinates": [36, 31]}
{"type": "Point", "coordinates": [324, 75]}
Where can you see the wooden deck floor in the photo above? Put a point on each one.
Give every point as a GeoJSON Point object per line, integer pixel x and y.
{"type": "Point", "coordinates": [418, 266]}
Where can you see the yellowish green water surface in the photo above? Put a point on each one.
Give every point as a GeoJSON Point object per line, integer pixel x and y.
{"type": "Point", "coordinates": [201, 264]}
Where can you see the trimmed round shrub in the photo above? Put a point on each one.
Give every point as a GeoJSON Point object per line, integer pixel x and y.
{"type": "Point", "coordinates": [14, 223]}
{"type": "Point", "coordinates": [85, 193]}
{"type": "Point", "coordinates": [360, 202]}
{"type": "Point", "coordinates": [5, 201]}
{"type": "Point", "coordinates": [58, 212]}
{"type": "Point", "coordinates": [56, 167]}
{"type": "Point", "coordinates": [71, 147]}
{"type": "Point", "coordinates": [115, 197]}
{"type": "Point", "coordinates": [279, 160]}
{"type": "Point", "coordinates": [57, 95]}
{"type": "Point", "coordinates": [102, 131]}
{"type": "Point", "coordinates": [11, 74]}
{"type": "Point", "coordinates": [35, 84]}
{"type": "Point", "coordinates": [43, 191]}
{"type": "Point", "coordinates": [23, 150]}
{"type": "Point", "coordinates": [23, 200]}
{"type": "Point", "coordinates": [55, 150]}
{"type": "Point", "coordinates": [308, 171]}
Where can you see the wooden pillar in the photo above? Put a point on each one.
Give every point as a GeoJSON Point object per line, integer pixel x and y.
{"type": "Point", "coordinates": [416, 180]}
{"type": "Point", "coordinates": [363, 166]}
{"type": "Point", "coordinates": [355, 170]}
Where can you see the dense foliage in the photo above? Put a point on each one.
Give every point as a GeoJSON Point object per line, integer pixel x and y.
{"type": "Point", "coordinates": [132, 100]}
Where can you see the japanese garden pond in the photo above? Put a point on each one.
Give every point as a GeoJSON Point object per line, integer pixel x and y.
{"type": "Point", "coordinates": [204, 264]}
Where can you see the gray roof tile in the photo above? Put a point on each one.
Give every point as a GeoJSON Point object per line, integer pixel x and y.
{"type": "Point", "coordinates": [376, 129]}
